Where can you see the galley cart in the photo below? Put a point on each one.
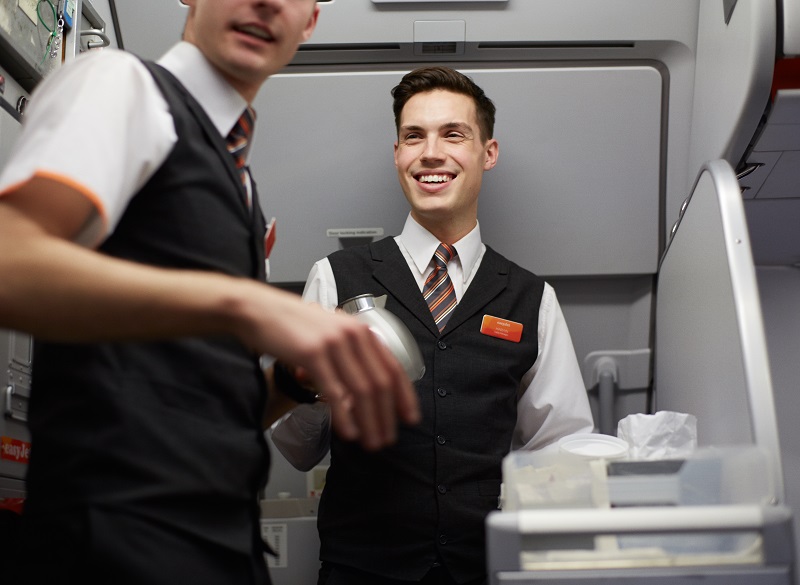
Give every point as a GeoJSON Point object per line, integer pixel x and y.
{"type": "Point", "coordinates": [715, 517]}
{"type": "Point", "coordinates": [521, 544]}
{"type": "Point", "coordinates": [708, 518]}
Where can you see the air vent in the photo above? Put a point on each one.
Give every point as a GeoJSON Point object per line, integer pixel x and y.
{"type": "Point", "coordinates": [363, 47]}
{"type": "Point", "coordinates": [554, 45]}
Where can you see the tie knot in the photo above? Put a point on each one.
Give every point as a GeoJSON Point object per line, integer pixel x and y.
{"type": "Point", "coordinates": [444, 253]}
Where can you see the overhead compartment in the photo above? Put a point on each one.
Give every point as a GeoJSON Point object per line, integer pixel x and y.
{"type": "Point", "coordinates": [576, 191]}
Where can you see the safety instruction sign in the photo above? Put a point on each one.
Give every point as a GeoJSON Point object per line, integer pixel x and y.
{"type": "Point", "coordinates": [275, 535]}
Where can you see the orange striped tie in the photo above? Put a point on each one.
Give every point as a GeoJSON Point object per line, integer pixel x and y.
{"type": "Point", "coordinates": [238, 141]}
{"type": "Point", "coordinates": [438, 289]}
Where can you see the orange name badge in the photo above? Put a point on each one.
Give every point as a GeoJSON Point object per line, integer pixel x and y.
{"type": "Point", "coordinates": [501, 328]}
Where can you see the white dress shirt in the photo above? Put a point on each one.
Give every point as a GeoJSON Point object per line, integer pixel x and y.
{"type": "Point", "coordinates": [102, 126]}
{"type": "Point", "coordinates": [553, 401]}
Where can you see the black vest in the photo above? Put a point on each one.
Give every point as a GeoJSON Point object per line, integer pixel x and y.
{"type": "Point", "coordinates": [171, 429]}
{"type": "Point", "coordinates": [394, 512]}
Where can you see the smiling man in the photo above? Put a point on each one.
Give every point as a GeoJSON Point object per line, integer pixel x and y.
{"type": "Point", "coordinates": [501, 372]}
{"type": "Point", "coordinates": [137, 262]}
{"type": "Point", "coordinates": [440, 164]}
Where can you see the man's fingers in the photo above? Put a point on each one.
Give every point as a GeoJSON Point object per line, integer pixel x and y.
{"type": "Point", "coordinates": [360, 366]}
{"type": "Point", "coordinates": [334, 393]}
{"type": "Point", "coordinates": [364, 384]}
{"type": "Point", "coordinates": [389, 384]}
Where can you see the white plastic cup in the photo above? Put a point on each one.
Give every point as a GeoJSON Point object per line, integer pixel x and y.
{"type": "Point", "coordinates": [593, 446]}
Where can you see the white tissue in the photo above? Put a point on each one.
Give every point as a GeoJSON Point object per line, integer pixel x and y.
{"type": "Point", "coordinates": [663, 435]}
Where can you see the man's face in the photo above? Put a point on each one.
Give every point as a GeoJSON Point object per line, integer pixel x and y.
{"type": "Point", "coordinates": [249, 40]}
{"type": "Point", "coordinates": [440, 159]}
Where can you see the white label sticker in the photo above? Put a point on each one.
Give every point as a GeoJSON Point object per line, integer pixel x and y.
{"type": "Point", "coordinates": [275, 535]}
{"type": "Point", "coordinates": [354, 232]}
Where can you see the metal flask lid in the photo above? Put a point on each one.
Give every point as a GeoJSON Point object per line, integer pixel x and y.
{"type": "Point", "coordinates": [389, 329]}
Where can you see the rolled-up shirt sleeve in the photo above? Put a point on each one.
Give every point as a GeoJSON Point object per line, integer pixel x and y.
{"type": "Point", "coordinates": [303, 436]}
{"type": "Point", "coordinates": [113, 160]}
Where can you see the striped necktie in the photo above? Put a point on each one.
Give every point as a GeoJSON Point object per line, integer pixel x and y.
{"type": "Point", "coordinates": [238, 141]}
{"type": "Point", "coordinates": [438, 289]}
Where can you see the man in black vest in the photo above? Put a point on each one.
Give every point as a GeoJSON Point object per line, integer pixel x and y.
{"type": "Point", "coordinates": [501, 372]}
{"type": "Point", "coordinates": [137, 261]}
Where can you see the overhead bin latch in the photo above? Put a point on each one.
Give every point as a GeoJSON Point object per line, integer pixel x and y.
{"type": "Point", "coordinates": [439, 37]}
{"type": "Point", "coordinates": [16, 403]}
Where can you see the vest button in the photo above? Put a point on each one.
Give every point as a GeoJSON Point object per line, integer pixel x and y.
{"type": "Point", "coordinates": [440, 439]}
{"type": "Point", "coordinates": [442, 539]}
{"type": "Point", "coordinates": [441, 392]}
{"type": "Point", "coordinates": [441, 345]}
{"type": "Point", "coordinates": [441, 488]}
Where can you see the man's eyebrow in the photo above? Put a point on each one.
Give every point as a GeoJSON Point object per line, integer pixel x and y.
{"type": "Point", "coordinates": [462, 126]}
{"type": "Point", "coordinates": [410, 128]}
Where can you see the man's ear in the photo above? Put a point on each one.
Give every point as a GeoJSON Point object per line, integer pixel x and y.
{"type": "Point", "coordinates": [312, 23]}
{"type": "Point", "coordinates": [492, 152]}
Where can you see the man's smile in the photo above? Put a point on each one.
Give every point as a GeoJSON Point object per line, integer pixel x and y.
{"type": "Point", "coordinates": [434, 177]}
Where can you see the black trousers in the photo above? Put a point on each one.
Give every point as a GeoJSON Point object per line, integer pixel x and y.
{"type": "Point", "coordinates": [92, 546]}
{"type": "Point", "coordinates": [334, 574]}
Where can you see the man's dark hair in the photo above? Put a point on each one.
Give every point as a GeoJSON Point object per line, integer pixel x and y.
{"type": "Point", "coordinates": [436, 77]}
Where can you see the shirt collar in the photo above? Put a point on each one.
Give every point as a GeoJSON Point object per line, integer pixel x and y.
{"type": "Point", "coordinates": [221, 102]}
{"type": "Point", "coordinates": [421, 244]}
